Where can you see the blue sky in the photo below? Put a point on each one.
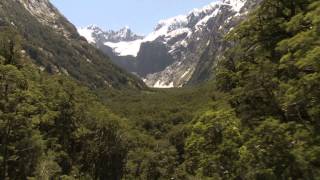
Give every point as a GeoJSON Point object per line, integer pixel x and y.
{"type": "Point", "coordinates": [140, 15]}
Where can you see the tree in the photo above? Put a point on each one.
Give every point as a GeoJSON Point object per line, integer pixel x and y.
{"type": "Point", "coordinates": [10, 46]}
{"type": "Point", "coordinates": [278, 150]}
{"type": "Point", "coordinates": [212, 148]}
{"type": "Point", "coordinates": [21, 145]}
{"type": "Point", "coordinates": [104, 144]}
{"type": "Point", "coordinates": [301, 97]}
{"type": "Point", "coordinates": [274, 74]}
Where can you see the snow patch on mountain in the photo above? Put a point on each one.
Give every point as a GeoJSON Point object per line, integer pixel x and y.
{"type": "Point", "coordinates": [203, 22]}
{"type": "Point", "coordinates": [184, 36]}
{"type": "Point", "coordinates": [160, 84]}
{"type": "Point", "coordinates": [87, 33]}
{"type": "Point", "coordinates": [94, 33]}
{"type": "Point", "coordinates": [166, 29]}
{"type": "Point", "coordinates": [235, 4]}
{"type": "Point", "coordinates": [124, 48]}
{"type": "Point", "coordinates": [192, 38]}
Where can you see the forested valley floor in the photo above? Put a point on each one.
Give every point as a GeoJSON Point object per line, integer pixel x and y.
{"type": "Point", "coordinates": [259, 118]}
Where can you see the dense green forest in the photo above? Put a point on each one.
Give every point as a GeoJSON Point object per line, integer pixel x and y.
{"type": "Point", "coordinates": [259, 118]}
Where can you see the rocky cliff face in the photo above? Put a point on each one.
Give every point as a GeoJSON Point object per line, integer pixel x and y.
{"type": "Point", "coordinates": [183, 49]}
{"type": "Point", "coordinates": [217, 46]}
{"type": "Point", "coordinates": [199, 48]}
{"type": "Point", "coordinates": [48, 15]}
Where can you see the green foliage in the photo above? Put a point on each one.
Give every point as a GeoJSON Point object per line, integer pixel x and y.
{"type": "Point", "coordinates": [275, 58]}
{"type": "Point", "coordinates": [10, 46]}
{"type": "Point", "coordinates": [279, 150]}
{"type": "Point", "coordinates": [52, 127]}
{"type": "Point", "coordinates": [213, 144]}
{"type": "Point", "coordinates": [274, 90]}
{"type": "Point", "coordinates": [259, 119]}
{"type": "Point", "coordinates": [160, 118]}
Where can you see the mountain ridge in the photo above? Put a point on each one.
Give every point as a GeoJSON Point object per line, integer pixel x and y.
{"type": "Point", "coordinates": [185, 38]}
{"type": "Point", "coordinates": [94, 33]}
{"type": "Point", "coordinates": [55, 46]}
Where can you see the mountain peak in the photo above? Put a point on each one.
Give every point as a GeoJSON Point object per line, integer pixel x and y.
{"type": "Point", "coordinates": [93, 33]}
{"type": "Point", "coordinates": [235, 5]}
{"type": "Point", "coordinates": [126, 34]}
{"type": "Point", "coordinates": [177, 43]}
{"type": "Point", "coordinates": [93, 27]}
{"type": "Point", "coordinates": [125, 28]}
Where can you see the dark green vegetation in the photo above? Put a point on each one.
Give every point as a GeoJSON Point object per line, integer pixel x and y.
{"type": "Point", "coordinates": [160, 118]}
{"type": "Point", "coordinates": [271, 78]}
{"type": "Point", "coordinates": [260, 118]}
{"type": "Point", "coordinates": [51, 126]}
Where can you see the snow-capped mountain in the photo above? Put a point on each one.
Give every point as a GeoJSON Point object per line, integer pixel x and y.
{"type": "Point", "coordinates": [93, 34]}
{"type": "Point", "coordinates": [171, 55]}
{"type": "Point", "coordinates": [115, 39]}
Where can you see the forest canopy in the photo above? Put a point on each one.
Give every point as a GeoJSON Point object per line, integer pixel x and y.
{"type": "Point", "coordinates": [258, 119]}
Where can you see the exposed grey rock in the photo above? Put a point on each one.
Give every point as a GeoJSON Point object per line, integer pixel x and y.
{"type": "Point", "coordinates": [188, 45]}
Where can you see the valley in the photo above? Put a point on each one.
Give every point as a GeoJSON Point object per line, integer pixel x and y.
{"type": "Point", "coordinates": [179, 50]}
{"type": "Point", "coordinates": [228, 91]}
